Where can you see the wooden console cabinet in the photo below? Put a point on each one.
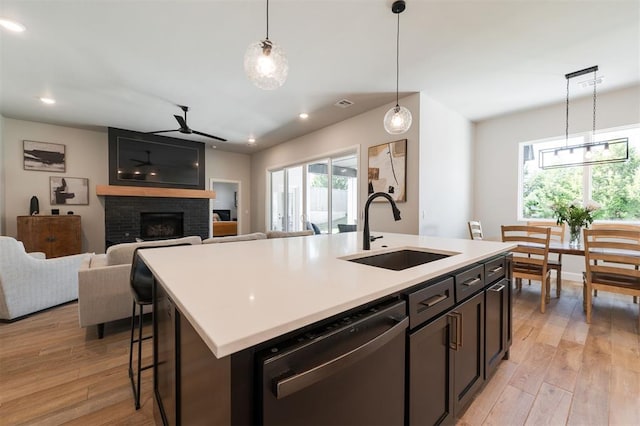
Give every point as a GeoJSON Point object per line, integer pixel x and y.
{"type": "Point", "coordinates": [54, 235]}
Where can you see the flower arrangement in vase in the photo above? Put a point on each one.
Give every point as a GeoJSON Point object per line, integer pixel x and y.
{"type": "Point", "coordinates": [577, 216]}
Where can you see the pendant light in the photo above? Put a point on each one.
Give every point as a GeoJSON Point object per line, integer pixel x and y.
{"type": "Point", "coordinates": [398, 119]}
{"type": "Point", "coordinates": [585, 153]}
{"type": "Point", "coordinates": [265, 63]}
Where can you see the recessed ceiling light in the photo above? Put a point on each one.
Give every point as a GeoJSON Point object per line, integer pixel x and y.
{"type": "Point", "coordinates": [213, 146]}
{"type": "Point", "coordinates": [14, 26]}
{"type": "Point", "coordinates": [252, 140]}
{"type": "Point", "coordinates": [48, 101]}
{"type": "Point", "coordinates": [303, 115]}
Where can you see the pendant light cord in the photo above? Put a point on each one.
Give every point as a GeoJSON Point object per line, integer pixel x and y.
{"type": "Point", "coordinates": [267, 19]}
{"type": "Point", "coordinates": [397, 59]}
{"type": "Point", "coordinates": [593, 134]}
{"type": "Point", "coordinates": [566, 128]}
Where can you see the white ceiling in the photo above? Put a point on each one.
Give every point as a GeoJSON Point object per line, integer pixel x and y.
{"type": "Point", "coordinates": [127, 64]}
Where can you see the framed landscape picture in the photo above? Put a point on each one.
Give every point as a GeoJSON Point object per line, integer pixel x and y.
{"type": "Point", "coordinates": [68, 190]}
{"type": "Point", "coordinates": [387, 170]}
{"type": "Point", "coordinates": [43, 156]}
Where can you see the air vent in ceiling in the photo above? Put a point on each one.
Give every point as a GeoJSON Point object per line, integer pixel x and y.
{"type": "Point", "coordinates": [344, 103]}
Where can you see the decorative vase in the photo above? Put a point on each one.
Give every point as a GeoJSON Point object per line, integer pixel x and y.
{"type": "Point", "coordinates": [574, 235]}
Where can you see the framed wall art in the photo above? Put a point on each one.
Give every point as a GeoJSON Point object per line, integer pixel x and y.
{"type": "Point", "coordinates": [68, 190]}
{"type": "Point", "coordinates": [43, 156]}
{"type": "Point", "coordinates": [388, 169]}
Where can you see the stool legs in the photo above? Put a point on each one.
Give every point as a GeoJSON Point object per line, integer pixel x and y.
{"type": "Point", "coordinates": [135, 384]}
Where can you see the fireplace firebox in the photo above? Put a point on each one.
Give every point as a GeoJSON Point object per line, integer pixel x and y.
{"type": "Point", "coordinates": [155, 226]}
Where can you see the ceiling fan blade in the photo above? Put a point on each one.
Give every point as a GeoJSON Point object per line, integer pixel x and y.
{"type": "Point", "coordinates": [162, 131]}
{"type": "Point", "coordinates": [181, 121]}
{"type": "Point", "coordinates": [208, 135]}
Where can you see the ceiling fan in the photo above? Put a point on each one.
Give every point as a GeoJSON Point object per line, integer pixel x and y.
{"type": "Point", "coordinates": [142, 163]}
{"type": "Point", "coordinates": [182, 121]}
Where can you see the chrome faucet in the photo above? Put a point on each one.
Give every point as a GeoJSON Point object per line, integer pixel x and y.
{"type": "Point", "coordinates": [366, 237]}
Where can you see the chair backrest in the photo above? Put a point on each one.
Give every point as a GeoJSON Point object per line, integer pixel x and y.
{"type": "Point", "coordinates": [557, 231]}
{"type": "Point", "coordinates": [612, 251]}
{"type": "Point", "coordinates": [141, 277]}
{"type": "Point", "coordinates": [533, 246]}
{"type": "Point", "coordinates": [475, 230]}
{"type": "Point", "coordinates": [313, 227]}
{"type": "Point", "coordinates": [619, 226]}
{"type": "Point", "coordinates": [285, 234]}
{"type": "Point", "coordinates": [347, 228]}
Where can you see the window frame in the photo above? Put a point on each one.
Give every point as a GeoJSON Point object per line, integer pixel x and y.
{"type": "Point", "coordinates": [587, 175]}
{"type": "Point", "coordinates": [329, 157]}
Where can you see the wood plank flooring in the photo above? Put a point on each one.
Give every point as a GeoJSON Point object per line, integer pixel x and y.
{"type": "Point", "coordinates": [561, 370]}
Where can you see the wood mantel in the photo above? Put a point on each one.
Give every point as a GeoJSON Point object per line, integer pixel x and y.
{"type": "Point", "coordinates": [142, 191]}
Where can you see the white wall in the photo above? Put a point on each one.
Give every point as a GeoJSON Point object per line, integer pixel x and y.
{"type": "Point", "coordinates": [86, 157]}
{"type": "Point", "coordinates": [2, 180]}
{"type": "Point", "coordinates": [496, 149]}
{"type": "Point", "coordinates": [363, 130]}
{"type": "Point", "coordinates": [446, 170]}
{"type": "Point", "coordinates": [231, 166]}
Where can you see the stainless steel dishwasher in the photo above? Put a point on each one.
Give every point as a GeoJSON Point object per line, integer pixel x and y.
{"type": "Point", "coordinates": [348, 372]}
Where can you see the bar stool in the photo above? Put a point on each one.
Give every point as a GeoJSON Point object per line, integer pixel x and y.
{"type": "Point", "coordinates": [142, 288]}
{"type": "Point", "coordinates": [141, 280]}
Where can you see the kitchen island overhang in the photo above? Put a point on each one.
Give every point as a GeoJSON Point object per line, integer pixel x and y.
{"type": "Point", "coordinates": [238, 295]}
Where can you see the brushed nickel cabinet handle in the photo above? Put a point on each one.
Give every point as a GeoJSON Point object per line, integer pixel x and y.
{"type": "Point", "coordinates": [432, 301]}
{"type": "Point", "coordinates": [472, 281]}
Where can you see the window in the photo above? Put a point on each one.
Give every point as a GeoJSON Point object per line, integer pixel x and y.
{"type": "Point", "coordinates": [615, 186]}
{"type": "Point", "coordinates": [323, 192]}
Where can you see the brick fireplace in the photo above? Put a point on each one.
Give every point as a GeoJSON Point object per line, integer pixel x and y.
{"type": "Point", "coordinates": [123, 215]}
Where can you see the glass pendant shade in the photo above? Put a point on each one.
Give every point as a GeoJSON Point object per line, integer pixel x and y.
{"type": "Point", "coordinates": [397, 120]}
{"type": "Point", "coordinates": [266, 65]}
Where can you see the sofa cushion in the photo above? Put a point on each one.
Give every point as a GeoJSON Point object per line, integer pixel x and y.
{"type": "Point", "coordinates": [232, 238]}
{"type": "Point", "coordinates": [121, 254]}
{"type": "Point", "coordinates": [284, 234]}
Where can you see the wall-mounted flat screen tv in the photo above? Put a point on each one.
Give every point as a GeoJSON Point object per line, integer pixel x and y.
{"type": "Point", "coordinates": [141, 159]}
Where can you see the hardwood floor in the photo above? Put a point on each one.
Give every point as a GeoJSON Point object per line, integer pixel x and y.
{"type": "Point", "coordinates": [561, 370]}
{"type": "Point", "coordinates": [54, 372]}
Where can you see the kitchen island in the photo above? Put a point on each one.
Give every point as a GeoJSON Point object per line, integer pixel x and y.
{"type": "Point", "coordinates": [219, 305]}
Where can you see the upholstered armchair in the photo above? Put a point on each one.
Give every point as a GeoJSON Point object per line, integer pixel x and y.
{"type": "Point", "coordinates": [31, 283]}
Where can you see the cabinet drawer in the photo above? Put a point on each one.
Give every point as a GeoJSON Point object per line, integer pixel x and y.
{"type": "Point", "coordinates": [469, 282]}
{"type": "Point", "coordinates": [430, 301]}
{"type": "Point", "coordinates": [495, 270]}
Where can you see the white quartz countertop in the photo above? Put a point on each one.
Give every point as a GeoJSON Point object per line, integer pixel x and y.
{"type": "Point", "coordinates": [240, 294]}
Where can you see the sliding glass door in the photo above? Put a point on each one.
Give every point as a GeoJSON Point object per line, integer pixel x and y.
{"type": "Point", "coordinates": [323, 193]}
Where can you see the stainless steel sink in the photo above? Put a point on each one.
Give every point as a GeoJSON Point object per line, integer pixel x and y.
{"type": "Point", "coordinates": [400, 259]}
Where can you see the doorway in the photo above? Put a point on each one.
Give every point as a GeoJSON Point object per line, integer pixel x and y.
{"type": "Point", "coordinates": [225, 208]}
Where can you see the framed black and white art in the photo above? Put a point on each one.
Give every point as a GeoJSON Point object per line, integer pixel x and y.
{"type": "Point", "coordinates": [69, 190]}
{"type": "Point", "coordinates": [43, 156]}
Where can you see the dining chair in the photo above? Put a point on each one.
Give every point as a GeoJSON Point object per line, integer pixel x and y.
{"type": "Point", "coordinates": [475, 229]}
{"type": "Point", "coordinates": [555, 262]}
{"type": "Point", "coordinates": [612, 261]}
{"type": "Point", "coordinates": [622, 226]}
{"type": "Point", "coordinates": [530, 257]}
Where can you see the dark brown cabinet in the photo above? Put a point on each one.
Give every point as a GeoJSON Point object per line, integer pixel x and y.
{"type": "Point", "coordinates": [164, 349]}
{"type": "Point", "coordinates": [468, 350]}
{"type": "Point", "coordinates": [54, 235]}
{"type": "Point", "coordinates": [454, 350]}
{"type": "Point", "coordinates": [497, 313]}
{"type": "Point", "coordinates": [497, 299]}
{"type": "Point", "coordinates": [431, 374]}
{"type": "Point", "coordinates": [446, 363]}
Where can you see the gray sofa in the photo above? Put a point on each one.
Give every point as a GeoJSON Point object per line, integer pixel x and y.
{"type": "Point", "coordinates": [104, 292]}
